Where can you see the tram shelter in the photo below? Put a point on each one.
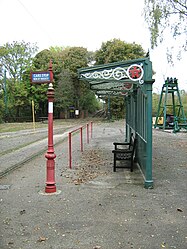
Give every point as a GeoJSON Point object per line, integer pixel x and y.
{"type": "Point", "coordinates": [133, 81]}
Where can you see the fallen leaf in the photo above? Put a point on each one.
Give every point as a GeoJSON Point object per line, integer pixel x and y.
{"type": "Point", "coordinates": [180, 210]}
{"type": "Point", "coordinates": [10, 243]}
{"type": "Point", "coordinates": [41, 239]}
{"type": "Point", "coordinates": [22, 211]}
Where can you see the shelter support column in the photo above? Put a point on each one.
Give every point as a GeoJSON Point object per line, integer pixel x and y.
{"type": "Point", "coordinates": [148, 172]}
{"type": "Point", "coordinates": [127, 121]}
{"type": "Point", "coordinates": [135, 117]}
{"type": "Point", "coordinates": [135, 106]}
{"type": "Point", "coordinates": [109, 114]}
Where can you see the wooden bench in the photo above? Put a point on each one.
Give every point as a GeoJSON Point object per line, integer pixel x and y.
{"type": "Point", "coordinates": [124, 152]}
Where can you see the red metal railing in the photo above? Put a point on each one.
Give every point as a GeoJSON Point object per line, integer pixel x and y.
{"type": "Point", "coordinates": [91, 128]}
{"type": "Point", "coordinates": [81, 139]}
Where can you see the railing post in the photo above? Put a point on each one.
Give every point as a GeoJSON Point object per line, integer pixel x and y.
{"type": "Point", "coordinates": [87, 131]}
{"type": "Point", "coordinates": [70, 152]}
{"type": "Point", "coordinates": [91, 128]}
{"type": "Point", "coordinates": [81, 142]}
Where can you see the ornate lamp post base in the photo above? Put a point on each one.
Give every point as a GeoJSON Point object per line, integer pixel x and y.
{"type": "Point", "coordinates": [50, 155]}
{"type": "Point", "coordinates": [50, 182]}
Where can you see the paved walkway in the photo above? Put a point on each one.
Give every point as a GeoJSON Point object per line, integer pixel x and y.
{"type": "Point", "coordinates": [96, 207]}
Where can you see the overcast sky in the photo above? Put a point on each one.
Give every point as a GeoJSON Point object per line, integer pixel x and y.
{"type": "Point", "coordinates": [84, 23]}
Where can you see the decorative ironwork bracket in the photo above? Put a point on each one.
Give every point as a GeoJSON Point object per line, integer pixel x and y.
{"type": "Point", "coordinates": [134, 73]}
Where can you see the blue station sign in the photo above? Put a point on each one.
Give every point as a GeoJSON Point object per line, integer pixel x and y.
{"type": "Point", "coordinates": [41, 77]}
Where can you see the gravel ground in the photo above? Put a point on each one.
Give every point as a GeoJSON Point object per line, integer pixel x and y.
{"type": "Point", "coordinates": [98, 209]}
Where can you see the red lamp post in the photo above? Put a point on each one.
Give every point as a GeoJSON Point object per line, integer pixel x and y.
{"type": "Point", "coordinates": [50, 155]}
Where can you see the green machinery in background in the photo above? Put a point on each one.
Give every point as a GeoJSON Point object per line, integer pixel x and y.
{"type": "Point", "coordinates": [170, 114]}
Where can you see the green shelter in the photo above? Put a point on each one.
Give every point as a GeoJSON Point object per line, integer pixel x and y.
{"type": "Point", "coordinates": [133, 81]}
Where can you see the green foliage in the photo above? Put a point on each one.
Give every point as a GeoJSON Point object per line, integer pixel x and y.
{"type": "Point", "coordinates": [183, 95]}
{"type": "Point", "coordinates": [117, 50]}
{"type": "Point", "coordinates": [155, 102]}
{"type": "Point", "coordinates": [17, 98]}
{"type": "Point", "coordinates": [162, 15]}
{"type": "Point", "coordinates": [16, 57]}
{"type": "Point", "coordinates": [75, 57]}
{"type": "Point", "coordinates": [18, 60]}
{"type": "Point", "coordinates": [38, 92]}
{"type": "Point", "coordinates": [41, 60]}
{"type": "Point", "coordinates": [88, 100]}
{"type": "Point", "coordinates": [69, 91]}
{"type": "Point", "coordinates": [2, 108]}
{"type": "Point", "coordinates": [20, 94]}
{"type": "Point", "coordinates": [64, 92]}
{"type": "Point", "coordinates": [117, 107]}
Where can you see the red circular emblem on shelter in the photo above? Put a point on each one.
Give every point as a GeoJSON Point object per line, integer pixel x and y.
{"type": "Point", "coordinates": [135, 72]}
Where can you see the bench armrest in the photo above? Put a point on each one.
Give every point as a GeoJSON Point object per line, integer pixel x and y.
{"type": "Point", "coordinates": [116, 143]}
{"type": "Point", "coordinates": [122, 144]}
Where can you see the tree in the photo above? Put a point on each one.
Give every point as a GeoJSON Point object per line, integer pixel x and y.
{"type": "Point", "coordinates": [75, 57]}
{"type": "Point", "coordinates": [19, 97]}
{"type": "Point", "coordinates": [183, 95]}
{"type": "Point", "coordinates": [1, 104]}
{"type": "Point", "coordinates": [41, 60]}
{"type": "Point", "coordinates": [88, 99]}
{"type": "Point", "coordinates": [16, 58]}
{"type": "Point", "coordinates": [162, 15]}
{"type": "Point", "coordinates": [155, 102]}
{"type": "Point", "coordinates": [66, 62]}
{"type": "Point", "coordinates": [117, 50]}
{"type": "Point", "coordinates": [69, 91]}
{"type": "Point", "coordinates": [64, 92]}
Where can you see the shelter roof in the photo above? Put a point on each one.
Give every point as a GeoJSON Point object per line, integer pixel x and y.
{"type": "Point", "coordinates": [118, 77]}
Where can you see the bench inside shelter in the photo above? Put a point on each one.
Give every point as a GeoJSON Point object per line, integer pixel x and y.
{"type": "Point", "coordinates": [124, 152]}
